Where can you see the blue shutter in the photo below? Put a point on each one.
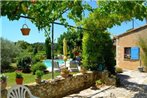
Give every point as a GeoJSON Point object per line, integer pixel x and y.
{"type": "Point", "coordinates": [134, 53]}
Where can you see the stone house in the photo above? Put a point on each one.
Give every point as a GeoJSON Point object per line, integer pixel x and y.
{"type": "Point", "coordinates": [127, 48]}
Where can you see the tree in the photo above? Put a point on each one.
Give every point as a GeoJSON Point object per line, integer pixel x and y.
{"type": "Point", "coordinates": [101, 53]}
{"type": "Point", "coordinates": [9, 51]}
{"type": "Point", "coordinates": [74, 39]}
{"type": "Point", "coordinates": [48, 48]}
{"type": "Point", "coordinates": [24, 64]}
{"type": "Point", "coordinates": [108, 14]}
{"type": "Point", "coordinates": [142, 43]}
{"type": "Point", "coordinates": [40, 46]}
{"type": "Point", "coordinates": [35, 50]}
{"type": "Point", "coordinates": [22, 44]}
{"type": "Point", "coordinates": [44, 12]}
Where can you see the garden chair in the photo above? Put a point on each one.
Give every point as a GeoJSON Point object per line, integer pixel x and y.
{"type": "Point", "coordinates": [19, 91]}
{"type": "Point", "coordinates": [73, 67]}
{"type": "Point", "coordinates": [56, 67]}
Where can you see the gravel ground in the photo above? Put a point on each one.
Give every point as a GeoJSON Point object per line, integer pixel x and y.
{"type": "Point", "coordinates": [134, 85]}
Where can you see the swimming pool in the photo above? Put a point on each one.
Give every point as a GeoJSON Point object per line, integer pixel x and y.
{"type": "Point", "coordinates": [48, 62]}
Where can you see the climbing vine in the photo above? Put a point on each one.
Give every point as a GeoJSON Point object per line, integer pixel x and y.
{"type": "Point", "coordinates": [43, 12]}
{"type": "Point", "coordinates": [97, 44]}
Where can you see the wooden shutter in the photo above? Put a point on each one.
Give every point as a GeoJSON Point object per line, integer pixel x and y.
{"type": "Point", "coordinates": [134, 53]}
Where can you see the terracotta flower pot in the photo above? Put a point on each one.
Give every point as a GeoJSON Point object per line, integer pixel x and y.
{"type": "Point", "coordinates": [25, 30]}
{"type": "Point", "coordinates": [83, 70]}
{"type": "Point", "coordinates": [76, 53]}
{"type": "Point", "coordinates": [64, 75]}
{"type": "Point", "coordinates": [19, 80]}
{"type": "Point", "coordinates": [38, 80]}
{"type": "Point", "coordinates": [98, 85]}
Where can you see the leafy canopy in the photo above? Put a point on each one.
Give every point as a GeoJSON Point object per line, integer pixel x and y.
{"type": "Point", "coordinates": [110, 13]}
{"type": "Point", "coordinates": [44, 12]}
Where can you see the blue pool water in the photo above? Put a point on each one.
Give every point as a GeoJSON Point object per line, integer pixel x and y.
{"type": "Point", "coordinates": [48, 62]}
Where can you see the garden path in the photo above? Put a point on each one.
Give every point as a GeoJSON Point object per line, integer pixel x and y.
{"type": "Point", "coordinates": [133, 85]}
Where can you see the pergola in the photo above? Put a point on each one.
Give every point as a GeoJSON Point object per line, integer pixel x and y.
{"type": "Point", "coordinates": [52, 43]}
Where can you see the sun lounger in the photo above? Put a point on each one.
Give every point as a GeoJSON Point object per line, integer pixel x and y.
{"type": "Point", "coordinates": [74, 66]}
{"type": "Point", "coordinates": [56, 67]}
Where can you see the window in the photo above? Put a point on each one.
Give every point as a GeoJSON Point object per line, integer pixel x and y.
{"type": "Point", "coordinates": [131, 53]}
{"type": "Point", "coordinates": [127, 53]}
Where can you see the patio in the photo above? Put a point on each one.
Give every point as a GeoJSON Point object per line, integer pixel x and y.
{"type": "Point", "coordinates": [133, 85]}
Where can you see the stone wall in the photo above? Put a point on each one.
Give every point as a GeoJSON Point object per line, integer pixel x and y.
{"type": "Point", "coordinates": [60, 87]}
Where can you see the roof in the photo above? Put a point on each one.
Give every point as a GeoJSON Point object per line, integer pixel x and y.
{"type": "Point", "coordinates": [131, 31]}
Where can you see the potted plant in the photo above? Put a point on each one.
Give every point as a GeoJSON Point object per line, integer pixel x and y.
{"type": "Point", "coordinates": [83, 70]}
{"type": "Point", "coordinates": [39, 75]}
{"type": "Point", "coordinates": [19, 78]}
{"type": "Point", "coordinates": [3, 81]}
{"type": "Point", "coordinates": [140, 68]}
{"type": "Point", "coordinates": [98, 83]}
{"type": "Point", "coordinates": [64, 72]}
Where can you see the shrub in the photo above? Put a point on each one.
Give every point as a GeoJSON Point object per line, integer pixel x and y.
{"type": "Point", "coordinates": [38, 66]}
{"type": "Point", "coordinates": [35, 59]}
{"type": "Point", "coordinates": [142, 43]}
{"type": "Point", "coordinates": [65, 70]}
{"type": "Point", "coordinates": [35, 51]}
{"type": "Point", "coordinates": [14, 60]}
{"type": "Point", "coordinates": [24, 64]}
{"type": "Point", "coordinates": [9, 51]}
{"type": "Point", "coordinates": [99, 82]}
{"type": "Point", "coordinates": [39, 73]}
{"type": "Point", "coordinates": [19, 75]}
{"type": "Point", "coordinates": [118, 70]}
{"type": "Point", "coordinates": [3, 78]}
{"type": "Point", "coordinates": [98, 49]}
{"type": "Point", "coordinates": [48, 47]}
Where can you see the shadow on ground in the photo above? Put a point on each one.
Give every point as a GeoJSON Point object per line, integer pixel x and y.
{"type": "Point", "coordinates": [141, 89]}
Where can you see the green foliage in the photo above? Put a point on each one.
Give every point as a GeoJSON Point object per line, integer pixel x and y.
{"type": "Point", "coordinates": [99, 82]}
{"type": "Point", "coordinates": [19, 75]}
{"type": "Point", "coordinates": [106, 16]}
{"type": "Point", "coordinates": [24, 64]}
{"type": "Point", "coordinates": [39, 46]}
{"type": "Point", "coordinates": [30, 48]}
{"type": "Point", "coordinates": [109, 14]}
{"type": "Point", "coordinates": [35, 59]}
{"type": "Point", "coordinates": [35, 50]}
{"type": "Point", "coordinates": [48, 48]}
{"type": "Point", "coordinates": [38, 66]}
{"type": "Point", "coordinates": [43, 12]}
{"type": "Point", "coordinates": [101, 54]}
{"type": "Point", "coordinates": [23, 44]}
{"type": "Point", "coordinates": [39, 73]}
{"type": "Point", "coordinates": [28, 78]}
{"type": "Point", "coordinates": [9, 52]}
{"type": "Point", "coordinates": [3, 78]}
{"type": "Point", "coordinates": [65, 70]}
{"type": "Point", "coordinates": [118, 70]}
{"type": "Point", "coordinates": [74, 39]}
{"type": "Point", "coordinates": [142, 43]}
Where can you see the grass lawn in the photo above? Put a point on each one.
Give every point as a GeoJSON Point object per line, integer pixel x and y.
{"type": "Point", "coordinates": [28, 78]}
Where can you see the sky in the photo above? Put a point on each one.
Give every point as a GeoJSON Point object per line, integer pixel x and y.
{"type": "Point", "coordinates": [11, 29]}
